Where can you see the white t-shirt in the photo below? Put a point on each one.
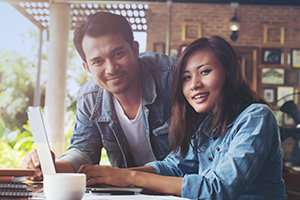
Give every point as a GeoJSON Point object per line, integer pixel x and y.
{"type": "Point", "coordinates": [135, 134]}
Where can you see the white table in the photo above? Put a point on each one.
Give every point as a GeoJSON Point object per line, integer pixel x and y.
{"type": "Point", "coordinates": [103, 196]}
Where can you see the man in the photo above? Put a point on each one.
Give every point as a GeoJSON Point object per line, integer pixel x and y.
{"type": "Point", "coordinates": [125, 108]}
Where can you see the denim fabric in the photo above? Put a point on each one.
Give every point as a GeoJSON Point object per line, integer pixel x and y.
{"type": "Point", "coordinates": [97, 124]}
{"type": "Point", "coordinates": [244, 163]}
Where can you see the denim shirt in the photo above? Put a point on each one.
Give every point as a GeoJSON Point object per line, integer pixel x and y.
{"type": "Point", "coordinates": [243, 163]}
{"type": "Point", "coordinates": [97, 125]}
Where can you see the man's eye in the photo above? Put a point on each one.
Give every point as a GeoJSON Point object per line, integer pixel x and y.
{"type": "Point", "coordinates": [119, 54]}
{"type": "Point", "coordinates": [96, 63]}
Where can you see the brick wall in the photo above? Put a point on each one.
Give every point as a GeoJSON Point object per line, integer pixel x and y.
{"type": "Point", "coordinates": [215, 21]}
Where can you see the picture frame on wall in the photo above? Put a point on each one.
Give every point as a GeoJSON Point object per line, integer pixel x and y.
{"type": "Point", "coordinates": [268, 94]}
{"type": "Point", "coordinates": [273, 34]}
{"type": "Point", "coordinates": [272, 76]}
{"type": "Point", "coordinates": [291, 77]}
{"type": "Point", "coordinates": [271, 56]}
{"type": "Point", "coordinates": [295, 58]}
{"type": "Point", "coordinates": [191, 31]}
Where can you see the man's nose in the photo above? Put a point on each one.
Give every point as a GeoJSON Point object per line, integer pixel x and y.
{"type": "Point", "coordinates": [110, 66]}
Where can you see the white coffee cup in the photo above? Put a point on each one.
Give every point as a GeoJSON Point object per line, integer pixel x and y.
{"type": "Point", "coordinates": [64, 186]}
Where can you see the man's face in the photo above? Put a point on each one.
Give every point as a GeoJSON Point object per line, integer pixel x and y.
{"type": "Point", "coordinates": [112, 63]}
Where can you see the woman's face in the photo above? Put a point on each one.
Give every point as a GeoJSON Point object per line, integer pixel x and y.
{"type": "Point", "coordinates": [202, 78]}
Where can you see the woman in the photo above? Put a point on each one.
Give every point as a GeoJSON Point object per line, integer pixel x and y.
{"type": "Point", "coordinates": [224, 137]}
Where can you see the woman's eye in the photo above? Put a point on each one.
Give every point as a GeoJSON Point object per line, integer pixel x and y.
{"type": "Point", "coordinates": [205, 71]}
{"type": "Point", "coordinates": [185, 78]}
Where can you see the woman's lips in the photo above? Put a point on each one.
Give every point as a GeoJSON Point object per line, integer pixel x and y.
{"type": "Point", "coordinates": [199, 96]}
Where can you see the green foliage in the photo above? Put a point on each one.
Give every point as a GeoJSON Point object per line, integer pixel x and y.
{"type": "Point", "coordinates": [17, 83]}
{"type": "Point", "coordinates": [16, 88]}
{"type": "Point", "coordinates": [10, 158]}
{"type": "Point", "coordinates": [13, 146]}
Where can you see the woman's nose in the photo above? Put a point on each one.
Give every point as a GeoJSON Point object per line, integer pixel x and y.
{"type": "Point", "coordinates": [196, 84]}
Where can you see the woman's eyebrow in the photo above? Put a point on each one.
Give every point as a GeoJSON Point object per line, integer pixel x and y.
{"type": "Point", "coordinates": [202, 65]}
{"type": "Point", "coordinates": [184, 72]}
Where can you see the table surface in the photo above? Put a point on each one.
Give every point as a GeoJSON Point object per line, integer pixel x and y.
{"type": "Point", "coordinates": [288, 177]}
{"type": "Point", "coordinates": [103, 196]}
{"type": "Point", "coordinates": [38, 194]}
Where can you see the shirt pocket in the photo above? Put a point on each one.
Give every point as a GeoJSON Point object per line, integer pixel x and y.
{"type": "Point", "coordinates": [159, 141]}
{"type": "Point", "coordinates": [218, 153]}
{"type": "Point", "coordinates": [221, 148]}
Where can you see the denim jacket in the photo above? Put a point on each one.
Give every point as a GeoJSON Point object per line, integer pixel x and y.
{"type": "Point", "coordinates": [97, 124]}
{"type": "Point", "coordinates": [243, 163]}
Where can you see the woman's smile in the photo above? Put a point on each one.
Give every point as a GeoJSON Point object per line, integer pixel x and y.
{"type": "Point", "coordinates": [202, 81]}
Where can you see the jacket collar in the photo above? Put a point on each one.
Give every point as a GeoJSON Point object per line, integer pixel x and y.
{"type": "Point", "coordinates": [146, 85]}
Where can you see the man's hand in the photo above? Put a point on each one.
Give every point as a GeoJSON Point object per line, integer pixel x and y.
{"type": "Point", "coordinates": [31, 161]}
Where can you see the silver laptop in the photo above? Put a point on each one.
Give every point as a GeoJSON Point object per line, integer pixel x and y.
{"type": "Point", "coordinates": [43, 150]}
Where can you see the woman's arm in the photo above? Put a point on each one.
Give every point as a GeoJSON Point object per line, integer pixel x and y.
{"type": "Point", "coordinates": [144, 177]}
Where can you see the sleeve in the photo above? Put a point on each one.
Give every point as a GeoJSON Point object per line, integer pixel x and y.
{"type": "Point", "coordinates": [173, 165]}
{"type": "Point", "coordinates": [86, 143]}
{"type": "Point", "coordinates": [253, 137]}
{"type": "Point", "coordinates": [76, 158]}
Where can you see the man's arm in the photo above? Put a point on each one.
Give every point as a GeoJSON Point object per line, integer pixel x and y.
{"type": "Point", "coordinates": [63, 166]}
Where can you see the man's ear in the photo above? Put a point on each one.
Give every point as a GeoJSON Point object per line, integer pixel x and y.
{"type": "Point", "coordinates": [86, 67]}
{"type": "Point", "coordinates": [136, 47]}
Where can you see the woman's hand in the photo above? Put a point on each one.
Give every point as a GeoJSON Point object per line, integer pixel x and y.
{"type": "Point", "coordinates": [144, 177]}
{"type": "Point", "coordinates": [96, 174]}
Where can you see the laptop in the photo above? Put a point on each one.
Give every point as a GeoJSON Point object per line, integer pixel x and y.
{"type": "Point", "coordinates": [47, 164]}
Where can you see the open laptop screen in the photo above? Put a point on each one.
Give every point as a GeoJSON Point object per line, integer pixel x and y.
{"type": "Point", "coordinates": [41, 140]}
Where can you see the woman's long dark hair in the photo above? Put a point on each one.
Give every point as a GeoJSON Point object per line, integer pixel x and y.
{"type": "Point", "coordinates": [235, 95]}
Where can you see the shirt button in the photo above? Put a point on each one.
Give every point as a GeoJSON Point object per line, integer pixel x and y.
{"type": "Point", "coordinates": [210, 159]}
{"type": "Point", "coordinates": [218, 148]}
